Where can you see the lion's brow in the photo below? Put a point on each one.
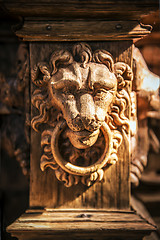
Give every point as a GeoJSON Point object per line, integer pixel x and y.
{"type": "Point", "coordinates": [65, 82]}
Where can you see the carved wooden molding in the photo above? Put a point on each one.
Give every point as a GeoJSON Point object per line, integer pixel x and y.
{"type": "Point", "coordinates": [82, 30]}
{"type": "Point", "coordinates": [126, 224]}
{"type": "Point", "coordinates": [145, 99]}
{"type": "Point", "coordinates": [82, 100]}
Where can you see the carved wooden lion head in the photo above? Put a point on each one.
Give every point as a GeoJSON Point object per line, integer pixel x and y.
{"type": "Point", "coordinates": [82, 99]}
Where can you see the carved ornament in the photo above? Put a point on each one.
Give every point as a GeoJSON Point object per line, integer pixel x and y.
{"type": "Point", "coordinates": [82, 100]}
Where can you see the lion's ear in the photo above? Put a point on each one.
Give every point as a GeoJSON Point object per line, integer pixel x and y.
{"type": "Point", "coordinates": [60, 57]}
{"type": "Point", "coordinates": [40, 74]}
{"type": "Point", "coordinates": [102, 56]}
{"type": "Point", "coordinates": [123, 73]}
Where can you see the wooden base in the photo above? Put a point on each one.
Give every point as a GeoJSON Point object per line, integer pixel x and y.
{"type": "Point", "coordinates": [80, 224]}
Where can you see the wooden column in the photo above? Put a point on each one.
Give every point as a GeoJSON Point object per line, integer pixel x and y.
{"type": "Point", "coordinates": [65, 41]}
{"type": "Point", "coordinates": [113, 192]}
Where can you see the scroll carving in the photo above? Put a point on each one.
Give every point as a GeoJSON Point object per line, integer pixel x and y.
{"type": "Point", "coordinates": [82, 100]}
{"type": "Point", "coordinates": [145, 103]}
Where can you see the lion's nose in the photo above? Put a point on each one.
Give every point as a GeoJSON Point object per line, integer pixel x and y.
{"type": "Point", "coordinates": [87, 112]}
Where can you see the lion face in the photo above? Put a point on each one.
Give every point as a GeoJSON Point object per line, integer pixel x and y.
{"type": "Point", "coordinates": [82, 99]}
{"type": "Point", "coordinates": [84, 96]}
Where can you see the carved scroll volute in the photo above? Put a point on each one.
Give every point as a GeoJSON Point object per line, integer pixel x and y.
{"type": "Point", "coordinates": [145, 101]}
{"type": "Point", "coordinates": [82, 99]}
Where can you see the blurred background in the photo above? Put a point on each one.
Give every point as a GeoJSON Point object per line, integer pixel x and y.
{"type": "Point", "coordinates": [148, 191]}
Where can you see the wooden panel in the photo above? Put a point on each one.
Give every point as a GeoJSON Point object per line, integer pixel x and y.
{"type": "Point", "coordinates": [45, 189]}
{"type": "Point", "coordinates": [81, 30]}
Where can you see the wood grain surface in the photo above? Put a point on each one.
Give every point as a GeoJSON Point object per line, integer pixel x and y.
{"type": "Point", "coordinates": [80, 30]}
{"type": "Point", "coordinates": [80, 225]}
{"type": "Point", "coordinates": [108, 9]}
{"type": "Point", "coordinates": [45, 190]}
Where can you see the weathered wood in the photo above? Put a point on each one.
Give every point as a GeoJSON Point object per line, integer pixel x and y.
{"type": "Point", "coordinates": [80, 30]}
{"type": "Point", "coordinates": [87, 9]}
{"type": "Point", "coordinates": [62, 18]}
{"type": "Point", "coordinates": [140, 209]}
{"type": "Point", "coordinates": [80, 225]}
{"type": "Point", "coordinates": [113, 193]}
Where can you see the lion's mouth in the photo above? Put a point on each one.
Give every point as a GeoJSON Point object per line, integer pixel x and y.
{"type": "Point", "coordinates": [82, 139]}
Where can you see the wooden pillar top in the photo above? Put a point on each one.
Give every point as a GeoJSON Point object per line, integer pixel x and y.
{"type": "Point", "coordinates": [80, 20]}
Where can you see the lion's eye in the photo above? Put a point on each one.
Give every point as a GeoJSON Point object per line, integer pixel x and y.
{"type": "Point", "coordinates": [103, 92]}
{"type": "Point", "coordinates": [100, 91]}
{"type": "Point", "coordinates": [65, 90]}
{"type": "Point", "coordinates": [67, 93]}
{"type": "Point", "coordinates": [100, 94]}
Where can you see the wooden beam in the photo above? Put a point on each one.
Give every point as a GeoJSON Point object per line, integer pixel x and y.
{"type": "Point", "coordinates": [81, 30]}
{"type": "Point", "coordinates": [108, 9]}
